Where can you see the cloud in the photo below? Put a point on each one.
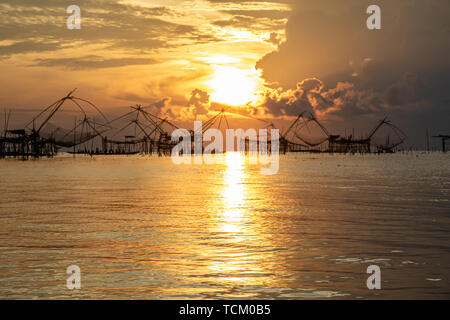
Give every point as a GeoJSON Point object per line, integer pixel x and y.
{"type": "Point", "coordinates": [139, 45]}
{"type": "Point", "coordinates": [242, 21]}
{"type": "Point", "coordinates": [262, 2]}
{"type": "Point", "coordinates": [163, 108]}
{"type": "Point", "coordinates": [347, 100]}
{"type": "Point", "coordinates": [199, 102]}
{"type": "Point", "coordinates": [402, 70]}
{"type": "Point", "coordinates": [113, 24]}
{"type": "Point", "coordinates": [323, 37]}
{"type": "Point", "coordinates": [91, 62]}
{"type": "Point", "coordinates": [409, 89]}
{"type": "Point", "coordinates": [124, 26]}
{"type": "Point", "coordinates": [272, 14]}
{"type": "Point", "coordinates": [27, 47]}
{"type": "Point", "coordinates": [278, 102]}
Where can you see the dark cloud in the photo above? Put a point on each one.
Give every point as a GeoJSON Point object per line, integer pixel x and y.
{"type": "Point", "coordinates": [247, 21]}
{"type": "Point", "coordinates": [272, 14]}
{"type": "Point", "coordinates": [324, 37]}
{"type": "Point", "coordinates": [139, 45]}
{"type": "Point", "coordinates": [91, 62]}
{"type": "Point", "coordinates": [293, 102]}
{"type": "Point", "coordinates": [234, 2]}
{"type": "Point", "coordinates": [199, 102]}
{"type": "Point", "coordinates": [162, 108]}
{"type": "Point", "coordinates": [275, 39]}
{"type": "Point", "coordinates": [402, 70]}
{"type": "Point", "coordinates": [132, 97]}
{"type": "Point", "coordinates": [109, 23]}
{"type": "Point", "coordinates": [409, 89]}
{"type": "Point", "coordinates": [27, 47]}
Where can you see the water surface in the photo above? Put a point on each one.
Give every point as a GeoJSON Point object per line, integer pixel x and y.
{"type": "Point", "coordinates": [142, 227]}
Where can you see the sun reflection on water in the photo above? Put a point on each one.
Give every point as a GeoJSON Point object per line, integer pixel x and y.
{"type": "Point", "coordinates": [237, 262]}
{"type": "Point", "coordinates": [234, 194]}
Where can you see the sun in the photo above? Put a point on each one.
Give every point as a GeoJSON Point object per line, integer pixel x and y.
{"type": "Point", "coordinates": [234, 86]}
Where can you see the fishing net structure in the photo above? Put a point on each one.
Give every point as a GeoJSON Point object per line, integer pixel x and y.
{"type": "Point", "coordinates": [140, 124]}
{"type": "Point", "coordinates": [305, 133]}
{"type": "Point", "coordinates": [76, 125]}
{"type": "Point", "coordinates": [61, 111]}
{"type": "Point", "coordinates": [388, 137]}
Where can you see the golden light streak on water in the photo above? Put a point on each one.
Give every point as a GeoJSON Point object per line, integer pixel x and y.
{"type": "Point", "coordinates": [238, 267]}
{"type": "Point", "coordinates": [143, 227]}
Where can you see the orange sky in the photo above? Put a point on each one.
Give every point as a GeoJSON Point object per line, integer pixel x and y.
{"type": "Point", "coordinates": [141, 51]}
{"type": "Point", "coordinates": [272, 58]}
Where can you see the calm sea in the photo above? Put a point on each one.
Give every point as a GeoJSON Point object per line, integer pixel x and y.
{"type": "Point", "coordinates": [142, 227]}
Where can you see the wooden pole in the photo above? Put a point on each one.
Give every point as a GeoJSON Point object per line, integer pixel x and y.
{"type": "Point", "coordinates": [74, 136]}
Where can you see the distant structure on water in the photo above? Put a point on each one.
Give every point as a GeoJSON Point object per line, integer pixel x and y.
{"type": "Point", "coordinates": [295, 138]}
{"type": "Point", "coordinates": [146, 133]}
{"type": "Point", "coordinates": [443, 138]}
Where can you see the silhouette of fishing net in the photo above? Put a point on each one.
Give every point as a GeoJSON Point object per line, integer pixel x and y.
{"type": "Point", "coordinates": [84, 130]}
{"type": "Point", "coordinates": [138, 124]}
{"type": "Point", "coordinates": [307, 131]}
{"type": "Point", "coordinates": [68, 138]}
{"type": "Point", "coordinates": [388, 137]}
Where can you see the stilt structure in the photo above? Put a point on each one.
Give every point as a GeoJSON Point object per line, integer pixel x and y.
{"type": "Point", "coordinates": [141, 132]}
{"type": "Point", "coordinates": [443, 138]}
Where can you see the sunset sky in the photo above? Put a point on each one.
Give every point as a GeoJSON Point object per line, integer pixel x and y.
{"type": "Point", "coordinates": [270, 59]}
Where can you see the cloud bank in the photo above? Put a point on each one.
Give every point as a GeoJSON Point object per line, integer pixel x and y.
{"type": "Point", "coordinates": [402, 70]}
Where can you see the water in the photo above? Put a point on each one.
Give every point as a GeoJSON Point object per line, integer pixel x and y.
{"type": "Point", "coordinates": [142, 227]}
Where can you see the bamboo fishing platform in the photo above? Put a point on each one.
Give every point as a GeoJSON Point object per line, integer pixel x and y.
{"type": "Point", "coordinates": [139, 131]}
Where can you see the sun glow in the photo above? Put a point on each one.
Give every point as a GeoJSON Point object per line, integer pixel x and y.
{"type": "Point", "coordinates": [234, 193]}
{"type": "Point", "coordinates": [233, 86]}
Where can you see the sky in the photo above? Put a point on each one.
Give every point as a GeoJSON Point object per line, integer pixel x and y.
{"type": "Point", "coordinates": [269, 59]}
